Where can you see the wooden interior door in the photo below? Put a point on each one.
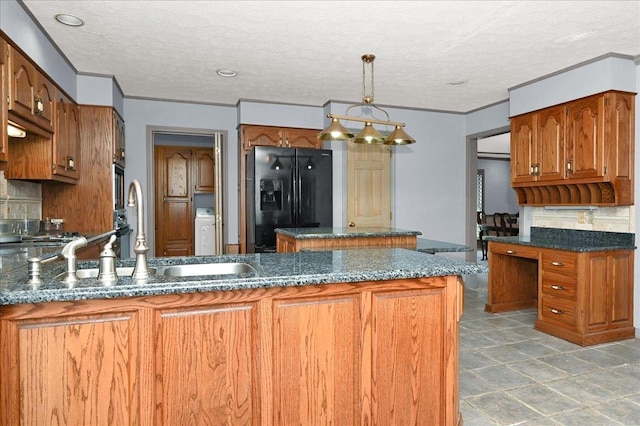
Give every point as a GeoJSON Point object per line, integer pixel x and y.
{"type": "Point", "coordinates": [174, 201]}
{"type": "Point", "coordinates": [368, 185]}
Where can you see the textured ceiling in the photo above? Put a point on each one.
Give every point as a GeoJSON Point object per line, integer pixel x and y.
{"type": "Point", "coordinates": [308, 52]}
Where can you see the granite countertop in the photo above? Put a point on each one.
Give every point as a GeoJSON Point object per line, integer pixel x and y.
{"type": "Point", "coordinates": [318, 233]}
{"type": "Point", "coordinates": [571, 240]}
{"type": "Point", "coordinates": [272, 270]}
{"type": "Point", "coordinates": [434, 246]}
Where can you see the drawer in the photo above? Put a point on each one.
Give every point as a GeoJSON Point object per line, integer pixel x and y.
{"type": "Point", "coordinates": [557, 309]}
{"type": "Point", "coordinates": [515, 250]}
{"type": "Point", "coordinates": [559, 262]}
{"type": "Point", "coordinates": [558, 285]}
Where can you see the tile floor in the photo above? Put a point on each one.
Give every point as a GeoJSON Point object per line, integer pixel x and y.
{"type": "Point", "coordinates": [511, 374]}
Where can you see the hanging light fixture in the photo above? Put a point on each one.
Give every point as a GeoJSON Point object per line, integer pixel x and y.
{"type": "Point", "coordinates": [369, 135]}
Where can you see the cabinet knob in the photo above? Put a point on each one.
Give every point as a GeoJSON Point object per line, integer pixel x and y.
{"type": "Point", "coordinates": [556, 311]}
{"type": "Point", "coordinates": [352, 224]}
{"type": "Point", "coordinates": [511, 252]}
{"type": "Point", "coordinates": [38, 106]}
{"type": "Point", "coordinates": [557, 287]}
{"type": "Point", "coordinates": [557, 263]}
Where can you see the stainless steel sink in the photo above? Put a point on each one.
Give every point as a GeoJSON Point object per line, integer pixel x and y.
{"type": "Point", "coordinates": [207, 269]}
{"type": "Point", "coordinates": [121, 272]}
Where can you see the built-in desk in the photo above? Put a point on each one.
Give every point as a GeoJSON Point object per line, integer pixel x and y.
{"type": "Point", "coordinates": [290, 240]}
{"type": "Point", "coordinates": [580, 281]}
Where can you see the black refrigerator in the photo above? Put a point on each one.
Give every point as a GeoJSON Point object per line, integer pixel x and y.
{"type": "Point", "coordinates": [286, 188]}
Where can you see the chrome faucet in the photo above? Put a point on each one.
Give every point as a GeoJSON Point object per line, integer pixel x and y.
{"type": "Point", "coordinates": [70, 258]}
{"type": "Point", "coordinates": [141, 269]}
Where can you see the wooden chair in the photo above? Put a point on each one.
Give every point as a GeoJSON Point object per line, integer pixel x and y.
{"type": "Point", "coordinates": [482, 219]}
{"type": "Point", "coordinates": [503, 224]}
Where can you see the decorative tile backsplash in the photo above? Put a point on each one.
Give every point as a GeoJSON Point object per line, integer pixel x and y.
{"type": "Point", "coordinates": [20, 199]}
{"type": "Point", "coordinates": [609, 219]}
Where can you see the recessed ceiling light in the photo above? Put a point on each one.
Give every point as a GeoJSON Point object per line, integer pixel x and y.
{"type": "Point", "coordinates": [70, 20]}
{"type": "Point", "coordinates": [227, 73]}
{"type": "Point", "coordinates": [456, 83]}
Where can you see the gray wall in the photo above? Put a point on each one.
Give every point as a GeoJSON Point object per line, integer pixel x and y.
{"type": "Point", "coordinates": [499, 197]}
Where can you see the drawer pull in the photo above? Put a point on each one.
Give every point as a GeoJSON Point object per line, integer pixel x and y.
{"type": "Point", "coordinates": [556, 311]}
{"type": "Point", "coordinates": [557, 263]}
{"type": "Point", "coordinates": [511, 252]}
{"type": "Point", "coordinates": [557, 287]}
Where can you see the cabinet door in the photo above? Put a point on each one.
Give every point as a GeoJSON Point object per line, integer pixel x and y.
{"type": "Point", "coordinates": [66, 138]}
{"type": "Point", "coordinates": [316, 342]}
{"type": "Point", "coordinates": [4, 142]}
{"type": "Point", "coordinates": [610, 290]}
{"type": "Point", "coordinates": [204, 170]}
{"type": "Point", "coordinates": [550, 144]}
{"type": "Point", "coordinates": [585, 138]}
{"type": "Point", "coordinates": [174, 203]}
{"type": "Point", "coordinates": [118, 140]}
{"type": "Point", "coordinates": [22, 85]}
{"type": "Point", "coordinates": [260, 136]}
{"type": "Point", "coordinates": [44, 103]}
{"type": "Point", "coordinates": [523, 149]}
{"type": "Point", "coordinates": [301, 138]}
{"type": "Point", "coordinates": [71, 370]}
{"type": "Point", "coordinates": [206, 358]}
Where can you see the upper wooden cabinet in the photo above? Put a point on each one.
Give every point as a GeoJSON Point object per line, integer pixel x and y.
{"type": "Point", "coordinates": [537, 146]}
{"type": "Point", "coordinates": [204, 166]}
{"type": "Point", "coordinates": [31, 94]}
{"type": "Point", "coordinates": [118, 140]}
{"type": "Point", "coordinates": [576, 153]}
{"type": "Point", "coordinates": [279, 137]}
{"type": "Point", "coordinates": [51, 149]}
{"type": "Point", "coordinates": [66, 139]}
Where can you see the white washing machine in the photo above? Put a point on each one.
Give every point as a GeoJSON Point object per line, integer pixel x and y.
{"type": "Point", "coordinates": [205, 231]}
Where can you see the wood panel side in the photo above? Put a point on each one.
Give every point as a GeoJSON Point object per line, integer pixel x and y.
{"type": "Point", "coordinates": [88, 205]}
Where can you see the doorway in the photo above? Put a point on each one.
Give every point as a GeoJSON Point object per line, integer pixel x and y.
{"type": "Point", "coordinates": [368, 185]}
{"type": "Point", "coordinates": [473, 160]}
{"type": "Point", "coordinates": [202, 187]}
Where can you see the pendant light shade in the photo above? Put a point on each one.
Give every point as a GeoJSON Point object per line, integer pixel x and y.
{"type": "Point", "coordinates": [399, 137]}
{"type": "Point", "coordinates": [335, 132]}
{"type": "Point", "coordinates": [369, 135]}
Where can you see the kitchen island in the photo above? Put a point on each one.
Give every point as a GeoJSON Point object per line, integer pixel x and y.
{"type": "Point", "coordinates": [342, 337]}
{"type": "Point", "coordinates": [297, 239]}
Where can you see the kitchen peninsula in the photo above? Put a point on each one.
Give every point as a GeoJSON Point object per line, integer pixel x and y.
{"type": "Point", "coordinates": [353, 336]}
{"type": "Point", "coordinates": [580, 281]}
{"type": "Point", "coordinates": [296, 239]}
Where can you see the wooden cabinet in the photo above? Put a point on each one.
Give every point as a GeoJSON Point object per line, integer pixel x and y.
{"type": "Point", "coordinates": [290, 244]}
{"type": "Point", "coordinates": [31, 94]}
{"type": "Point", "coordinates": [66, 139]}
{"type": "Point", "coordinates": [119, 153]}
{"type": "Point", "coordinates": [71, 369]}
{"type": "Point", "coordinates": [366, 353]}
{"type": "Point", "coordinates": [51, 149]}
{"type": "Point", "coordinates": [204, 166]}
{"type": "Point", "coordinates": [279, 137]}
{"type": "Point", "coordinates": [4, 110]}
{"type": "Point", "coordinates": [251, 136]}
{"type": "Point", "coordinates": [580, 152]}
{"type": "Point", "coordinates": [537, 146]}
{"type": "Point", "coordinates": [583, 297]}
{"type": "Point", "coordinates": [87, 207]}
{"type": "Point", "coordinates": [586, 138]}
